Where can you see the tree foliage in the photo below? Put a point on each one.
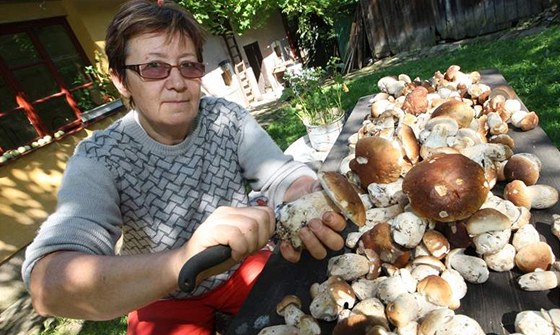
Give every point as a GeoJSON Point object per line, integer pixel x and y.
{"type": "Point", "coordinates": [220, 16]}
{"type": "Point", "coordinates": [312, 19]}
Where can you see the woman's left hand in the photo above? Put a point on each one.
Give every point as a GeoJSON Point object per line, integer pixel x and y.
{"type": "Point", "coordinates": [318, 236]}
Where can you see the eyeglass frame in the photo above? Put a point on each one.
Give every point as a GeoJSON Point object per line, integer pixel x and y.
{"type": "Point", "coordinates": [136, 68]}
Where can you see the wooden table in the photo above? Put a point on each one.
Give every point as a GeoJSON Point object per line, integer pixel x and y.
{"type": "Point", "coordinates": [493, 304]}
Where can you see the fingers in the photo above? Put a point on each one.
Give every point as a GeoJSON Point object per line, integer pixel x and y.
{"type": "Point", "coordinates": [289, 252]}
{"type": "Point", "coordinates": [245, 229]}
{"type": "Point", "coordinates": [334, 220]}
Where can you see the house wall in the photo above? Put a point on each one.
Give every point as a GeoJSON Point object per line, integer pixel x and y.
{"type": "Point", "coordinates": [267, 36]}
{"type": "Point", "coordinates": [28, 187]}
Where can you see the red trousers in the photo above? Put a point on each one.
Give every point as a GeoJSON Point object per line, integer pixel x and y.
{"type": "Point", "coordinates": [196, 315]}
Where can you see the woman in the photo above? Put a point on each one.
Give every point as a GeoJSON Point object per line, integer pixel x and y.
{"type": "Point", "coordinates": [169, 179]}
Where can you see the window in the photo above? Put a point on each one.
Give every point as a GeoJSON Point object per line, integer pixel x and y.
{"type": "Point", "coordinates": [44, 87]}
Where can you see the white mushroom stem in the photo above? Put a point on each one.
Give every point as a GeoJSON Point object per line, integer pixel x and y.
{"type": "Point", "coordinates": [407, 229]}
{"type": "Point", "coordinates": [408, 307]}
{"type": "Point", "coordinates": [502, 260]}
{"type": "Point", "coordinates": [377, 215]}
{"type": "Point", "coordinates": [538, 196]}
{"type": "Point", "coordinates": [539, 280]}
{"type": "Point", "coordinates": [279, 330]}
{"type": "Point", "coordinates": [349, 266]}
{"type": "Point", "coordinates": [472, 269]}
{"type": "Point", "coordinates": [385, 195]}
{"type": "Point", "coordinates": [533, 323]}
{"type": "Point", "coordinates": [293, 216]}
{"type": "Point", "coordinates": [524, 236]}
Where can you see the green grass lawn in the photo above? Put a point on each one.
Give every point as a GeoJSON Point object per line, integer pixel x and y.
{"type": "Point", "coordinates": [531, 65]}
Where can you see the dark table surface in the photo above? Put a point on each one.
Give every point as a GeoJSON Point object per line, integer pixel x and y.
{"type": "Point", "coordinates": [493, 304]}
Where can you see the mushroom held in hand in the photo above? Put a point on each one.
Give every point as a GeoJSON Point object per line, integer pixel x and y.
{"type": "Point", "coordinates": [446, 188]}
{"type": "Point", "coordinates": [337, 195]}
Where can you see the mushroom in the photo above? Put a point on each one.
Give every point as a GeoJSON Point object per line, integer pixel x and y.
{"type": "Point", "coordinates": [279, 330]}
{"type": "Point", "coordinates": [502, 260]}
{"type": "Point", "coordinates": [290, 309]}
{"type": "Point", "coordinates": [378, 160]}
{"type": "Point", "coordinates": [534, 256]}
{"type": "Point", "coordinates": [385, 195]}
{"type": "Point", "coordinates": [395, 285]}
{"type": "Point", "coordinates": [446, 188]}
{"type": "Point", "coordinates": [436, 243]}
{"type": "Point", "coordinates": [523, 166]}
{"type": "Point", "coordinates": [338, 194]}
{"type": "Point", "coordinates": [539, 280]}
{"type": "Point", "coordinates": [373, 309]}
{"type": "Point", "coordinates": [460, 324]}
{"type": "Point", "coordinates": [379, 239]}
{"type": "Point", "coordinates": [472, 269]}
{"type": "Point", "coordinates": [416, 102]}
{"type": "Point", "coordinates": [439, 129]}
{"type": "Point", "coordinates": [383, 214]}
{"type": "Point", "coordinates": [330, 298]}
{"type": "Point", "coordinates": [348, 266]}
{"type": "Point", "coordinates": [524, 236]}
{"type": "Point", "coordinates": [407, 308]}
{"type": "Point", "coordinates": [461, 112]}
{"type": "Point", "coordinates": [407, 229]}
{"type": "Point", "coordinates": [555, 228]}
{"type": "Point", "coordinates": [423, 266]}
{"type": "Point", "coordinates": [438, 291]}
{"type": "Point", "coordinates": [525, 120]}
{"type": "Point", "coordinates": [533, 323]}
{"type": "Point", "coordinates": [354, 324]}
{"type": "Point", "coordinates": [538, 196]}
{"type": "Point", "coordinates": [487, 220]}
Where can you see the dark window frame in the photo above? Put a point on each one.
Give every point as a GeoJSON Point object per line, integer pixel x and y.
{"type": "Point", "coordinates": [26, 105]}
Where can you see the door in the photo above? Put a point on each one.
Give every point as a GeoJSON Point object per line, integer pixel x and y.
{"type": "Point", "coordinates": [254, 57]}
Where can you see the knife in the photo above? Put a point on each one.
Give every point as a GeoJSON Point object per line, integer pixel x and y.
{"type": "Point", "coordinates": [201, 262]}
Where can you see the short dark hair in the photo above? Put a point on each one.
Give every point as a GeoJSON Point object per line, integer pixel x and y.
{"type": "Point", "coordinates": [137, 17]}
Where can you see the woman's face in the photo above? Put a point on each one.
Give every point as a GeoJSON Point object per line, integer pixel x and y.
{"type": "Point", "coordinates": [166, 107]}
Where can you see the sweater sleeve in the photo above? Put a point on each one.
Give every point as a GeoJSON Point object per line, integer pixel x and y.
{"type": "Point", "coordinates": [266, 167]}
{"type": "Point", "coordinates": [87, 218]}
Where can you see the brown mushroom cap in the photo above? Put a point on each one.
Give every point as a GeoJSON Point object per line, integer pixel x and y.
{"type": "Point", "coordinates": [446, 188]}
{"type": "Point", "coordinates": [516, 191]}
{"type": "Point", "coordinates": [287, 301]}
{"type": "Point", "coordinates": [534, 256]}
{"type": "Point", "coordinates": [416, 102]}
{"type": "Point", "coordinates": [457, 110]}
{"type": "Point", "coordinates": [522, 167]}
{"type": "Point", "coordinates": [437, 291]}
{"type": "Point", "coordinates": [379, 239]}
{"type": "Point", "coordinates": [354, 324]}
{"type": "Point", "coordinates": [345, 197]}
{"type": "Point", "coordinates": [377, 160]}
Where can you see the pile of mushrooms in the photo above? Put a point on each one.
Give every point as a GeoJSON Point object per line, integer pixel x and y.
{"type": "Point", "coordinates": [424, 165]}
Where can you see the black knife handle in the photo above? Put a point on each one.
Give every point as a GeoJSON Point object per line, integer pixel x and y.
{"type": "Point", "coordinates": [204, 260]}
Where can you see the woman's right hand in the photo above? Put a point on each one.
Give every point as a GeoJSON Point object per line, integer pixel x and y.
{"type": "Point", "coordinates": [244, 229]}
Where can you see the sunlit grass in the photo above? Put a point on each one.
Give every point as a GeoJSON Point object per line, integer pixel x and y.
{"type": "Point", "coordinates": [531, 65]}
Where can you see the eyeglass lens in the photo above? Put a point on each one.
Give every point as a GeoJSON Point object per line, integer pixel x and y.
{"type": "Point", "coordinates": [157, 70]}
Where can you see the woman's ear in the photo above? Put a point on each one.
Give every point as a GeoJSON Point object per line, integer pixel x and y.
{"type": "Point", "coordinates": [119, 84]}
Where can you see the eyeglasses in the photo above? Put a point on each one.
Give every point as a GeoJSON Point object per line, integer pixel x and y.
{"type": "Point", "coordinates": [161, 70]}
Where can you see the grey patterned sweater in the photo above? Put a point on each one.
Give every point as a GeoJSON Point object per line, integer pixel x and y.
{"type": "Point", "coordinates": [120, 182]}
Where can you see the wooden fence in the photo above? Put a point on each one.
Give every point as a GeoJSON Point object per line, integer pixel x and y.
{"type": "Point", "coordinates": [386, 27]}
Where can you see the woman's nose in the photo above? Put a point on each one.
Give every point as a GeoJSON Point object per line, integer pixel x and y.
{"type": "Point", "coordinates": [175, 80]}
